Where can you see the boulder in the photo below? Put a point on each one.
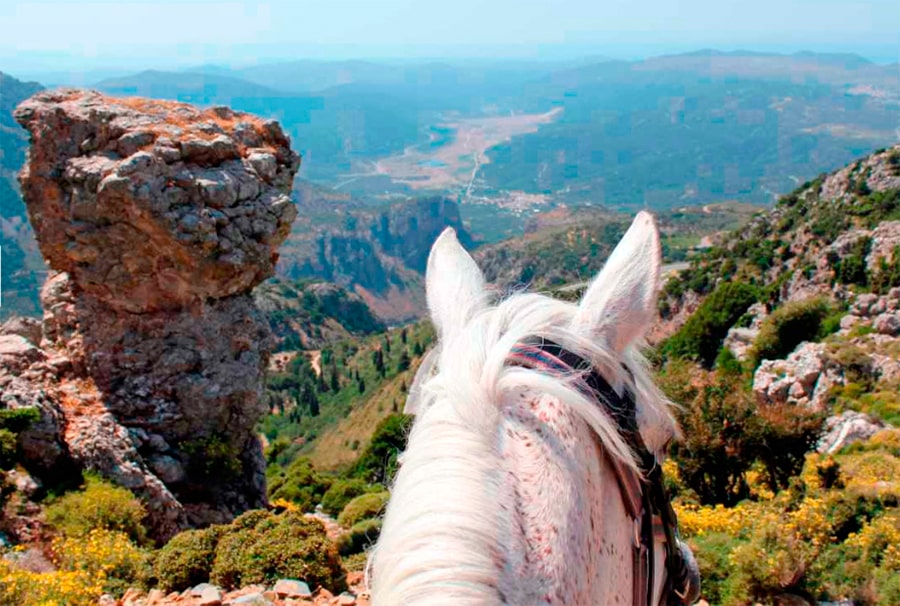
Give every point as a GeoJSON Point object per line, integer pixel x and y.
{"type": "Point", "coordinates": [887, 324]}
{"type": "Point", "coordinates": [805, 377]}
{"type": "Point", "coordinates": [290, 588]}
{"type": "Point", "coordinates": [845, 429]}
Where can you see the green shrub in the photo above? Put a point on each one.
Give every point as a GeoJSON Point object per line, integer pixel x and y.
{"type": "Point", "coordinates": [299, 483]}
{"type": "Point", "coordinates": [108, 556]}
{"type": "Point", "coordinates": [212, 458]}
{"type": "Point", "coordinates": [378, 462]}
{"type": "Point", "coordinates": [788, 326]}
{"type": "Point", "coordinates": [852, 268]}
{"type": "Point", "coordinates": [712, 551]}
{"type": "Point", "coordinates": [887, 273]}
{"type": "Point", "coordinates": [341, 493]}
{"type": "Point", "coordinates": [13, 421]}
{"type": "Point", "coordinates": [359, 537]}
{"type": "Point", "coordinates": [187, 559]}
{"type": "Point", "coordinates": [100, 505]}
{"type": "Point", "coordinates": [286, 545]}
{"type": "Point", "coordinates": [362, 508]}
{"type": "Point", "coordinates": [701, 336]}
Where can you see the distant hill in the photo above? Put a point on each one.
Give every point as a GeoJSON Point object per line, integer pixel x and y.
{"type": "Point", "coordinates": [698, 128]}
{"type": "Point", "coordinates": [663, 132]}
{"type": "Point", "coordinates": [310, 315]}
{"type": "Point", "coordinates": [23, 266]}
{"type": "Point", "coordinates": [379, 253]}
{"type": "Point", "coordinates": [197, 88]}
{"type": "Point", "coordinates": [568, 247]}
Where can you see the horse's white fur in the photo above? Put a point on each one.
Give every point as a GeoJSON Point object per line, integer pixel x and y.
{"type": "Point", "coordinates": [451, 534]}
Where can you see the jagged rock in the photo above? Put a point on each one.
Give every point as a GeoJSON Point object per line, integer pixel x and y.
{"type": "Point", "coordinates": [27, 328]}
{"type": "Point", "coordinates": [18, 353]}
{"type": "Point", "coordinates": [740, 340]}
{"type": "Point", "coordinates": [23, 482]}
{"type": "Point", "coordinates": [158, 220]}
{"type": "Point", "coordinates": [804, 378]}
{"type": "Point", "coordinates": [863, 305]}
{"type": "Point", "coordinates": [887, 368]}
{"type": "Point", "coordinates": [846, 428]}
{"type": "Point", "coordinates": [210, 596]}
{"type": "Point", "coordinates": [887, 324]}
{"type": "Point", "coordinates": [291, 588]}
{"type": "Point", "coordinates": [141, 234]}
{"type": "Point", "coordinates": [849, 321]}
{"type": "Point", "coordinates": [250, 599]}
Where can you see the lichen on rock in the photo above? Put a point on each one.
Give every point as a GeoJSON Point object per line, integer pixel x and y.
{"type": "Point", "coordinates": [158, 220]}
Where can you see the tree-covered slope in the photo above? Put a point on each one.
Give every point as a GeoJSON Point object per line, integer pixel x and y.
{"type": "Point", "coordinates": [23, 267]}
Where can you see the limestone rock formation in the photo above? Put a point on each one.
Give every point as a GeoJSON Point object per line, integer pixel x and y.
{"type": "Point", "coordinates": [845, 429]}
{"type": "Point", "coordinates": [804, 378]}
{"type": "Point", "coordinates": [159, 219]}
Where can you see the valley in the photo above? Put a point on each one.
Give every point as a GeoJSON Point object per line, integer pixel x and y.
{"type": "Point", "coordinates": [778, 334]}
{"type": "Point", "coordinates": [454, 161]}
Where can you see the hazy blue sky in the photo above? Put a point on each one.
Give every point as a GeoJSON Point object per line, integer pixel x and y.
{"type": "Point", "coordinates": [38, 35]}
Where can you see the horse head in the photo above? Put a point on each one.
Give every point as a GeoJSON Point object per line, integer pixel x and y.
{"type": "Point", "coordinates": [531, 471]}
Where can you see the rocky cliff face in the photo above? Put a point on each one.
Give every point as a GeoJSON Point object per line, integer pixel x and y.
{"type": "Point", "coordinates": [834, 241]}
{"type": "Point", "coordinates": [159, 219]}
{"type": "Point", "coordinates": [382, 256]}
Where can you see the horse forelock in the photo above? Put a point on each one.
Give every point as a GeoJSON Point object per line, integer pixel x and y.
{"type": "Point", "coordinates": [446, 536]}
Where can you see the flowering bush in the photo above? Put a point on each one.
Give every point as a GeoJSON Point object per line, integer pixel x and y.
{"type": "Point", "coordinates": [101, 561]}
{"type": "Point", "coordinates": [99, 505]}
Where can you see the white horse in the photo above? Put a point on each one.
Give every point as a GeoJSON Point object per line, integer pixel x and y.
{"type": "Point", "coordinates": [509, 490]}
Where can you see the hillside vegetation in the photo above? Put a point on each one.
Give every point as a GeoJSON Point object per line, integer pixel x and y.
{"type": "Point", "coordinates": [784, 351]}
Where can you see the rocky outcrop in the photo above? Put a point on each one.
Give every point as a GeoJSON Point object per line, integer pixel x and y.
{"type": "Point", "coordinates": [877, 172]}
{"type": "Point", "coordinates": [158, 220]}
{"type": "Point", "coordinates": [809, 374]}
{"type": "Point", "coordinates": [805, 378]}
{"type": "Point", "coordinates": [847, 428]}
{"type": "Point", "coordinates": [739, 340]}
{"type": "Point", "coordinates": [378, 256]}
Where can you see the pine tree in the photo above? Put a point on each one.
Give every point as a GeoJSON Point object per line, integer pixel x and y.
{"type": "Point", "coordinates": [335, 380]}
{"type": "Point", "coordinates": [403, 364]}
{"type": "Point", "coordinates": [312, 402]}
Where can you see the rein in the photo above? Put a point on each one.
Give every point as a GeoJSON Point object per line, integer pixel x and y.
{"type": "Point", "coordinates": [644, 495]}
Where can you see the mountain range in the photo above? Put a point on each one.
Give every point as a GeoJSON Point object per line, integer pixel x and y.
{"type": "Point", "coordinates": [510, 142]}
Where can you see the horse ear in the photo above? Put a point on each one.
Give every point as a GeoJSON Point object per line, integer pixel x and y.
{"type": "Point", "coordinates": [454, 286]}
{"type": "Point", "coordinates": [620, 304]}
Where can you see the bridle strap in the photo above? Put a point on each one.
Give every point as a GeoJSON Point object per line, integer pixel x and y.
{"type": "Point", "coordinates": [644, 496]}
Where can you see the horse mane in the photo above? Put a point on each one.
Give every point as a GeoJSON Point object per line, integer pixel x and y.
{"type": "Point", "coordinates": [441, 533]}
